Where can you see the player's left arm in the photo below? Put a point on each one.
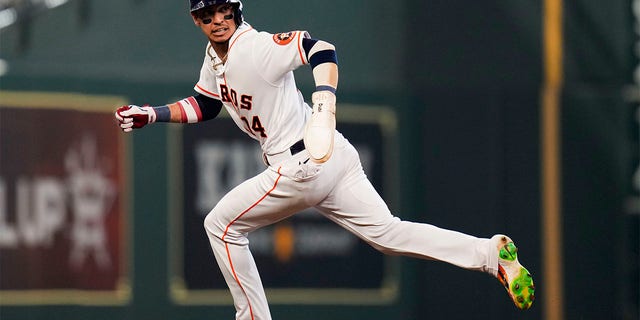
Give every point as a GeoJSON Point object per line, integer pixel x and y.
{"type": "Point", "coordinates": [193, 109]}
{"type": "Point", "coordinates": [320, 129]}
{"type": "Point", "coordinates": [324, 62]}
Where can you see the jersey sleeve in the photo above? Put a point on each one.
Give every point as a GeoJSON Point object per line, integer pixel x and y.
{"type": "Point", "coordinates": [207, 83]}
{"type": "Point", "coordinates": [277, 54]}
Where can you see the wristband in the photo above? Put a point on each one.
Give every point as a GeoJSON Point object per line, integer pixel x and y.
{"type": "Point", "coordinates": [163, 114]}
{"type": "Point", "coordinates": [326, 88]}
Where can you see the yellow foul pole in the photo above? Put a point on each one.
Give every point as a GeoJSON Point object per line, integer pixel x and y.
{"type": "Point", "coordinates": [551, 183]}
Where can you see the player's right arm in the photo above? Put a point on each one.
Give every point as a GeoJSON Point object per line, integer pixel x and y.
{"type": "Point", "coordinates": [193, 109]}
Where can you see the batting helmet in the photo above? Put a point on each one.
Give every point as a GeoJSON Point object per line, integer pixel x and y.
{"type": "Point", "coordinates": [237, 5]}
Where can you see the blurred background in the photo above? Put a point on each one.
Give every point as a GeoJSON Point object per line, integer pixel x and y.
{"type": "Point", "coordinates": [484, 117]}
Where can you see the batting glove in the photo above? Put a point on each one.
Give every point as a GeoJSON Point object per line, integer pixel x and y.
{"type": "Point", "coordinates": [320, 129]}
{"type": "Point", "coordinates": [134, 117]}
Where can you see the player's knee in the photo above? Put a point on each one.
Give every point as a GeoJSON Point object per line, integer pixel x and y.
{"type": "Point", "coordinates": [213, 225]}
{"type": "Point", "coordinates": [220, 229]}
{"type": "Point", "coordinates": [381, 237]}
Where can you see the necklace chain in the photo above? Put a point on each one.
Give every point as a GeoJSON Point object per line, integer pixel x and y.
{"type": "Point", "coordinates": [215, 64]}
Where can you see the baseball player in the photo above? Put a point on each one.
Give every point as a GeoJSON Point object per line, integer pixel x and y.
{"type": "Point", "coordinates": [309, 163]}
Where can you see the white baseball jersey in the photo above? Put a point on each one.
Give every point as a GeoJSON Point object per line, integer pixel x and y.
{"type": "Point", "coordinates": [257, 86]}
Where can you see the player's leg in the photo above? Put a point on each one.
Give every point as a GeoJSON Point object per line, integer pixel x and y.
{"type": "Point", "coordinates": [265, 199]}
{"type": "Point", "coordinates": [355, 205]}
{"type": "Point", "coordinates": [361, 211]}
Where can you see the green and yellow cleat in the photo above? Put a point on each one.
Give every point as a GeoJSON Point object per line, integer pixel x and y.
{"type": "Point", "coordinates": [515, 278]}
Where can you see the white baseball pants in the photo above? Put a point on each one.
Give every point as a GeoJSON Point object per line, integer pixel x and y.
{"type": "Point", "coordinates": [342, 193]}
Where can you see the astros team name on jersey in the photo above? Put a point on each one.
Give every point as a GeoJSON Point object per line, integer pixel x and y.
{"type": "Point", "coordinates": [229, 95]}
{"type": "Point", "coordinates": [253, 125]}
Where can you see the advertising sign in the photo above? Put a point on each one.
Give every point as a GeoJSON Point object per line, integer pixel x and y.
{"type": "Point", "coordinates": [62, 216]}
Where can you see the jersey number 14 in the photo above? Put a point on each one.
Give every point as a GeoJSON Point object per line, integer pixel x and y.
{"type": "Point", "coordinates": [255, 126]}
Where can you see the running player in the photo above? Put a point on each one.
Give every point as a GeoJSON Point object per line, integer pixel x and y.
{"type": "Point", "coordinates": [310, 164]}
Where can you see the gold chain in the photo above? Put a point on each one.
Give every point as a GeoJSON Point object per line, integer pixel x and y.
{"type": "Point", "coordinates": [215, 65]}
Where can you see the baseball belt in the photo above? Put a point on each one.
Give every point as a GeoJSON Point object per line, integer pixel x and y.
{"type": "Point", "coordinates": [282, 156]}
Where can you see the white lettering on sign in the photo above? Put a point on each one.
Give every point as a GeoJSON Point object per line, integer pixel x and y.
{"type": "Point", "coordinates": [222, 166]}
{"type": "Point", "coordinates": [73, 206]}
{"type": "Point", "coordinates": [40, 212]}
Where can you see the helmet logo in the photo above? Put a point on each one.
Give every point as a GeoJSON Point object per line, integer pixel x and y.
{"type": "Point", "coordinates": [283, 38]}
{"type": "Point", "coordinates": [199, 5]}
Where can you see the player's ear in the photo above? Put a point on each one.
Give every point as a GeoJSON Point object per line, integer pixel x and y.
{"type": "Point", "coordinates": [195, 20]}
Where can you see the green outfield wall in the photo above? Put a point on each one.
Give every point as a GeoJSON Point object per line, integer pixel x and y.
{"type": "Point", "coordinates": [468, 115]}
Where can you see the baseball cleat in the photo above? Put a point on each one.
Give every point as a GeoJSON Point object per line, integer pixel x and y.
{"type": "Point", "coordinates": [515, 278]}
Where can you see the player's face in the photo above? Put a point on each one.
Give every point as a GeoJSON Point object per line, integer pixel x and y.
{"type": "Point", "coordinates": [216, 22]}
